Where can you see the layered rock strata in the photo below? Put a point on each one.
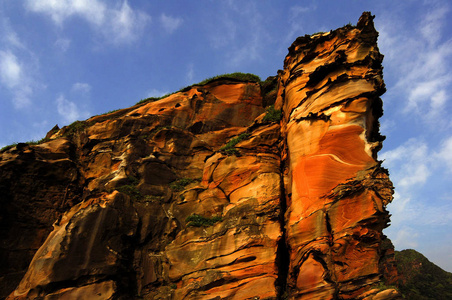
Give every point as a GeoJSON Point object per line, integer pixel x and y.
{"type": "Point", "coordinates": [208, 193]}
{"type": "Point", "coordinates": [336, 189]}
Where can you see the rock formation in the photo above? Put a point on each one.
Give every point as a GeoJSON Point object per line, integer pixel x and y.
{"type": "Point", "coordinates": [232, 189]}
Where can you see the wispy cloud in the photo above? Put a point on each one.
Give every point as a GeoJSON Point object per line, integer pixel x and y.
{"type": "Point", "coordinates": [119, 24]}
{"type": "Point", "coordinates": [414, 165]}
{"type": "Point", "coordinates": [433, 22]}
{"type": "Point", "coordinates": [62, 44]}
{"type": "Point", "coordinates": [8, 35]}
{"type": "Point", "coordinates": [11, 71]}
{"type": "Point", "coordinates": [156, 93]}
{"type": "Point", "coordinates": [228, 29]}
{"type": "Point", "coordinates": [81, 87]}
{"type": "Point", "coordinates": [170, 24]}
{"type": "Point", "coordinates": [16, 66]}
{"type": "Point", "coordinates": [295, 21]}
{"type": "Point", "coordinates": [444, 155]}
{"type": "Point", "coordinates": [414, 162]}
{"type": "Point", "coordinates": [410, 162]}
{"type": "Point", "coordinates": [69, 111]}
{"type": "Point", "coordinates": [407, 237]}
{"type": "Point", "coordinates": [190, 75]}
{"type": "Point", "coordinates": [420, 61]}
{"type": "Point", "coordinates": [240, 28]}
{"type": "Point", "coordinates": [93, 11]}
{"type": "Point", "coordinates": [126, 24]}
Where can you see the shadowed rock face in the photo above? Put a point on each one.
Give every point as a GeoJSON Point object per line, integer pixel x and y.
{"type": "Point", "coordinates": [201, 195]}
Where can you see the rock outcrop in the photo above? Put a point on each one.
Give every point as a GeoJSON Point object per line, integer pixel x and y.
{"type": "Point", "coordinates": [233, 189]}
{"type": "Point", "coordinates": [336, 189]}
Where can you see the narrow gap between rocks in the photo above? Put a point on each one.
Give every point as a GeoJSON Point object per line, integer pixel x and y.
{"type": "Point", "coordinates": [282, 254]}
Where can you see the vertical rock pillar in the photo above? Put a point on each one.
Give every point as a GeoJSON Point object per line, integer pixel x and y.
{"type": "Point", "coordinates": [336, 190]}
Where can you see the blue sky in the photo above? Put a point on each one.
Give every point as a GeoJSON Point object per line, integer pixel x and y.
{"type": "Point", "coordinates": [62, 61]}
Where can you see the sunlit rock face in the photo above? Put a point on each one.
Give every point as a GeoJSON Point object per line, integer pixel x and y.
{"type": "Point", "coordinates": [336, 189]}
{"type": "Point", "coordinates": [202, 195]}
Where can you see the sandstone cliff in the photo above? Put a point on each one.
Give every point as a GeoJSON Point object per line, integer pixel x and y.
{"type": "Point", "coordinates": [231, 189]}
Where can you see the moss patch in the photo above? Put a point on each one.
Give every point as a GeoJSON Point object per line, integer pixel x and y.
{"type": "Point", "coordinates": [229, 148]}
{"type": "Point", "coordinates": [180, 184]}
{"type": "Point", "coordinates": [74, 128]}
{"type": "Point", "coordinates": [196, 220]}
{"type": "Point", "coordinates": [272, 115]}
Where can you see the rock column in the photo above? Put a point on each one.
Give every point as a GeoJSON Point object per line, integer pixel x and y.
{"type": "Point", "coordinates": [335, 188]}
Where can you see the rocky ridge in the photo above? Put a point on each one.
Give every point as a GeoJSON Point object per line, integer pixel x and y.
{"type": "Point", "coordinates": [232, 189]}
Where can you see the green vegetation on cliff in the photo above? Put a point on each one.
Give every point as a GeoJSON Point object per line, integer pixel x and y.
{"type": "Point", "coordinates": [196, 220]}
{"type": "Point", "coordinates": [234, 76]}
{"type": "Point", "coordinates": [229, 148]}
{"type": "Point", "coordinates": [180, 184]}
{"type": "Point", "coordinates": [421, 279]}
{"type": "Point", "coordinates": [272, 115]}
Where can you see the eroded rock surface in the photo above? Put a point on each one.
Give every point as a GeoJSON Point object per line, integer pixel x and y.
{"type": "Point", "coordinates": [336, 189]}
{"type": "Point", "coordinates": [208, 193]}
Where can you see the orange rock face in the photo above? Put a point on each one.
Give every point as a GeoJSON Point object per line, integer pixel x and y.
{"type": "Point", "coordinates": [329, 92]}
{"type": "Point", "coordinates": [201, 196]}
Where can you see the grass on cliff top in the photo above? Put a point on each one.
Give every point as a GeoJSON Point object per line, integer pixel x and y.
{"type": "Point", "coordinates": [32, 142]}
{"type": "Point", "coordinates": [236, 75]}
{"type": "Point", "coordinates": [152, 99]}
{"type": "Point", "coordinates": [75, 127]}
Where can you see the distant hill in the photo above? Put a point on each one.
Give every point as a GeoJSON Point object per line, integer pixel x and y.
{"type": "Point", "coordinates": [421, 279]}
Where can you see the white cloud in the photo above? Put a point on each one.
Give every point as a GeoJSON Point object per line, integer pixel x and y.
{"type": "Point", "coordinates": [170, 24]}
{"type": "Point", "coordinates": [246, 43]}
{"type": "Point", "coordinates": [8, 35]}
{"type": "Point", "coordinates": [419, 61]}
{"type": "Point", "coordinates": [81, 87]}
{"type": "Point", "coordinates": [296, 11]}
{"type": "Point", "coordinates": [18, 66]}
{"type": "Point", "coordinates": [416, 170]}
{"type": "Point", "coordinates": [63, 44]}
{"type": "Point", "coordinates": [296, 22]}
{"type": "Point", "coordinates": [190, 73]}
{"type": "Point", "coordinates": [432, 24]}
{"type": "Point", "coordinates": [119, 25]}
{"type": "Point", "coordinates": [68, 110]}
{"type": "Point", "coordinates": [59, 10]}
{"type": "Point", "coordinates": [126, 24]}
{"type": "Point", "coordinates": [409, 163]}
{"type": "Point", "coordinates": [10, 69]}
{"type": "Point", "coordinates": [156, 93]}
{"type": "Point", "coordinates": [22, 96]}
{"type": "Point", "coordinates": [13, 77]}
{"type": "Point", "coordinates": [405, 238]}
{"type": "Point", "coordinates": [444, 156]}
